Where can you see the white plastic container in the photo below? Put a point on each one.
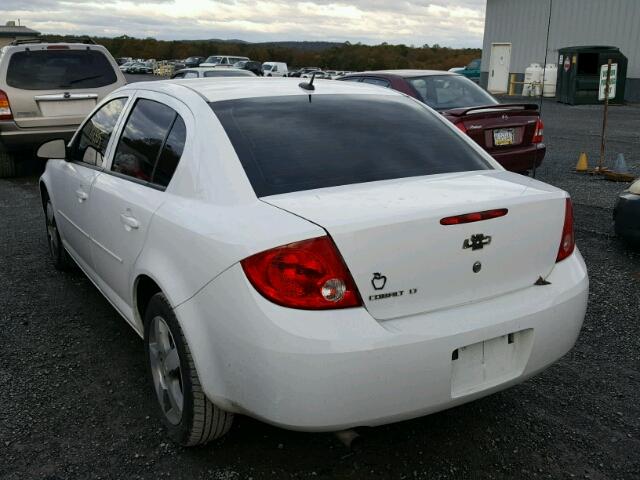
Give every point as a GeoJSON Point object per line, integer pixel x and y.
{"type": "Point", "coordinates": [550, 80]}
{"type": "Point", "coordinates": [532, 80]}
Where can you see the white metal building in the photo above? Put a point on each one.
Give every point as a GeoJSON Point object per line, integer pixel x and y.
{"type": "Point", "coordinates": [516, 32]}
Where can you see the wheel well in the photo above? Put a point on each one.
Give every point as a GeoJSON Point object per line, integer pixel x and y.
{"type": "Point", "coordinates": [44, 195]}
{"type": "Point", "coordinates": [145, 289]}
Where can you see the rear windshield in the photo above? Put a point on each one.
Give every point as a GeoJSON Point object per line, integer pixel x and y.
{"type": "Point", "coordinates": [444, 92]}
{"type": "Point", "coordinates": [59, 69]}
{"type": "Point", "coordinates": [293, 143]}
{"type": "Point", "coordinates": [228, 73]}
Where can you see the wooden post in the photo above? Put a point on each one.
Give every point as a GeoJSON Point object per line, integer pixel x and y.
{"type": "Point", "coordinates": [604, 118]}
{"type": "Point", "coordinates": [512, 84]}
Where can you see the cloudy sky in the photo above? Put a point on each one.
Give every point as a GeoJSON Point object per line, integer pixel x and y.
{"type": "Point", "coordinates": [456, 23]}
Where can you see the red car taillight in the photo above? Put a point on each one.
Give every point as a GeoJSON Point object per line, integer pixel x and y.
{"type": "Point", "coordinates": [568, 239]}
{"type": "Point", "coordinates": [309, 274]}
{"type": "Point", "coordinates": [538, 135]}
{"type": "Point", "coordinates": [461, 127]}
{"type": "Point", "coordinates": [5, 108]}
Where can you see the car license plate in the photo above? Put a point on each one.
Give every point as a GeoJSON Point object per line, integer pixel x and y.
{"type": "Point", "coordinates": [503, 136]}
{"type": "Point", "coordinates": [489, 363]}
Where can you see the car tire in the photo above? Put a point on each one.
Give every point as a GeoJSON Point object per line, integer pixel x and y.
{"type": "Point", "coordinates": [59, 255]}
{"type": "Point", "coordinates": [190, 418]}
{"type": "Point", "coordinates": [8, 166]}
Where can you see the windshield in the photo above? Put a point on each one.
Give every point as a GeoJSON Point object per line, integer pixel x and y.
{"type": "Point", "coordinates": [267, 67]}
{"type": "Point", "coordinates": [213, 60]}
{"type": "Point", "coordinates": [444, 92]}
{"type": "Point", "coordinates": [59, 69]}
{"type": "Point", "coordinates": [303, 151]}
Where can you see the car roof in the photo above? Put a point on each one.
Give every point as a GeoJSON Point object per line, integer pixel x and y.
{"type": "Point", "coordinates": [46, 45]}
{"type": "Point", "coordinates": [405, 73]}
{"type": "Point", "coordinates": [233, 88]}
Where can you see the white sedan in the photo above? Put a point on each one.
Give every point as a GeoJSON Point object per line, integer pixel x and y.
{"type": "Point", "coordinates": [315, 275]}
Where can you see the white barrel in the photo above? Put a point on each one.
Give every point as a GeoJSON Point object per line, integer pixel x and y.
{"type": "Point", "coordinates": [550, 80]}
{"type": "Point", "coordinates": [532, 78]}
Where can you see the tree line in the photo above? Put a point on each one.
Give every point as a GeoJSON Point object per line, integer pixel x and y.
{"type": "Point", "coordinates": [337, 56]}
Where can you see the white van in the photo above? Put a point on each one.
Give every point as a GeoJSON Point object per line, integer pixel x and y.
{"type": "Point", "coordinates": [275, 69]}
{"type": "Point", "coordinates": [221, 61]}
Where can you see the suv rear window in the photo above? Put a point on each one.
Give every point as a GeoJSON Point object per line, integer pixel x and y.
{"type": "Point", "coordinates": [293, 143]}
{"type": "Point", "coordinates": [59, 69]}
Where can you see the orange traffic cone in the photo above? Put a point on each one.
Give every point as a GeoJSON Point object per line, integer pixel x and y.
{"type": "Point", "coordinates": [583, 163]}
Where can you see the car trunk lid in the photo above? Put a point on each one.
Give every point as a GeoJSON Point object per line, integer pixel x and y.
{"type": "Point", "coordinates": [499, 127]}
{"type": "Point", "coordinates": [404, 261]}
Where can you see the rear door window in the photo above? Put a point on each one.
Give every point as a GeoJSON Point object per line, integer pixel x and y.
{"type": "Point", "coordinates": [170, 154]}
{"type": "Point", "coordinates": [369, 138]}
{"type": "Point", "coordinates": [59, 69]}
{"type": "Point", "coordinates": [142, 139]}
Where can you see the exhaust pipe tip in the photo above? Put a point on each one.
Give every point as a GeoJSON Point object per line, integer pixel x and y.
{"type": "Point", "coordinates": [350, 439]}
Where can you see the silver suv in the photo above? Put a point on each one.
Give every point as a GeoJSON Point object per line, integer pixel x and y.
{"type": "Point", "coordinates": [46, 90]}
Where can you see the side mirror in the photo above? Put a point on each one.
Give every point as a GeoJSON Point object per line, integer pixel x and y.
{"type": "Point", "coordinates": [53, 149]}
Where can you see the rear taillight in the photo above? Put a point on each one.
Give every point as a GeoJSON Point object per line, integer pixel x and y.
{"type": "Point", "coordinates": [538, 135]}
{"type": "Point", "coordinates": [461, 127]}
{"type": "Point", "coordinates": [568, 239]}
{"type": "Point", "coordinates": [5, 108]}
{"type": "Point", "coordinates": [310, 274]}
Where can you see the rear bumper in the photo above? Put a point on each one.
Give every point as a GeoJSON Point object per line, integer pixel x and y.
{"type": "Point", "coordinates": [325, 371]}
{"type": "Point", "coordinates": [627, 217]}
{"type": "Point", "coordinates": [520, 159]}
{"type": "Point", "coordinates": [12, 137]}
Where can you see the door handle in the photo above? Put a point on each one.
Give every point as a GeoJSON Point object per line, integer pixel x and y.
{"type": "Point", "coordinates": [129, 222]}
{"type": "Point", "coordinates": [82, 195]}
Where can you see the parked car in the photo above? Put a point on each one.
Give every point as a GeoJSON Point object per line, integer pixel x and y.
{"type": "Point", "coordinates": [46, 90]}
{"type": "Point", "coordinates": [275, 69]}
{"type": "Point", "coordinates": [125, 66]}
{"type": "Point", "coordinates": [317, 73]}
{"type": "Point", "coordinates": [207, 72]}
{"type": "Point", "coordinates": [626, 214]}
{"type": "Point", "coordinates": [295, 275]}
{"type": "Point", "coordinates": [222, 61]}
{"type": "Point", "coordinates": [511, 133]}
{"type": "Point", "coordinates": [303, 71]}
{"type": "Point", "coordinates": [472, 70]}
{"type": "Point", "coordinates": [141, 67]}
{"type": "Point", "coordinates": [250, 65]}
{"type": "Point", "coordinates": [192, 62]}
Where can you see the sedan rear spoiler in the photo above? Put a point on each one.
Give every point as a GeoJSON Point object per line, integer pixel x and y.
{"type": "Point", "coordinates": [459, 112]}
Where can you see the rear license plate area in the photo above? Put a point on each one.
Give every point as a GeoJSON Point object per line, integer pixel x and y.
{"type": "Point", "coordinates": [504, 136]}
{"type": "Point", "coordinates": [489, 363]}
{"type": "Point", "coordinates": [66, 108]}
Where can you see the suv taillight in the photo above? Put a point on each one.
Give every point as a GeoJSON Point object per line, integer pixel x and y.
{"type": "Point", "coordinates": [5, 108]}
{"type": "Point", "coordinates": [461, 127]}
{"type": "Point", "coordinates": [568, 239]}
{"type": "Point", "coordinates": [538, 135]}
{"type": "Point", "coordinates": [310, 275]}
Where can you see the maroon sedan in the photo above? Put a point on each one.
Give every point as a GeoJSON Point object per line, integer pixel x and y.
{"type": "Point", "coordinates": [511, 133]}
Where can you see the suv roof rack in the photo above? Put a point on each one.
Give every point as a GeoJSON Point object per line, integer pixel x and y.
{"type": "Point", "coordinates": [84, 41]}
{"type": "Point", "coordinates": [26, 40]}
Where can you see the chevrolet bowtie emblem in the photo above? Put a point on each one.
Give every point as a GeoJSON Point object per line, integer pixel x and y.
{"type": "Point", "coordinates": [476, 242]}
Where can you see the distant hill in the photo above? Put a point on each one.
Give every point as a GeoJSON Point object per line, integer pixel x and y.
{"type": "Point", "coordinates": [328, 55]}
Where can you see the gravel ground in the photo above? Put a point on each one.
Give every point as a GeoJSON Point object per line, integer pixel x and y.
{"type": "Point", "coordinates": [76, 404]}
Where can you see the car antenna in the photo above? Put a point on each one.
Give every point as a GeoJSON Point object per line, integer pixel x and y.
{"type": "Point", "coordinates": [308, 85]}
